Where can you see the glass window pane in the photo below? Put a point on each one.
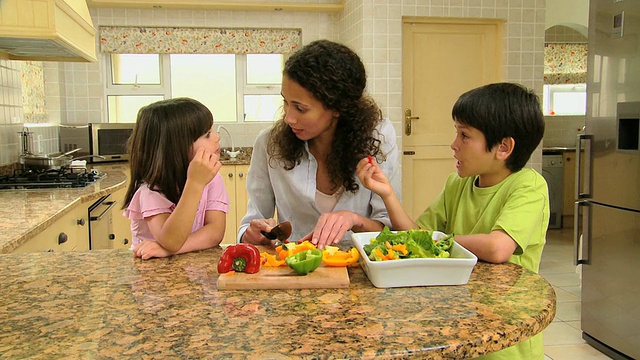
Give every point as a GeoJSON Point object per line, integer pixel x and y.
{"type": "Point", "coordinates": [141, 69]}
{"type": "Point", "coordinates": [565, 99]}
{"type": "Point", "coordinates": [262, 107]}
{"type": "Point", "coordinates": [264, 69]}
{"type": "Point", "coordinates": [208, 78]}
{"type": "Point", "coordinates": [124, 109]}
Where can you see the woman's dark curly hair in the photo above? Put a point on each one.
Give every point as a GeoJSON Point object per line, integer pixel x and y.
{"type": "Point", "coordinates": [336, 76]}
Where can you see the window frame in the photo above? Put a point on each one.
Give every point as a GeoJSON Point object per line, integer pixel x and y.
{"type": "Point", "coordinates": [164, 88]}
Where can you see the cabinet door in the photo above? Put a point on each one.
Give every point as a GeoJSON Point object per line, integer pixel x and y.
{"type": "Point", "coordinates": [69, 233]}
{"type": "Point", "coordinates": [235, 179]}
{"type": "Point", "coordinates": [121, 224]}
{"type": "Point", "coordinates": [228, 173]}
{"type": "Point", "coordinates": [241, 193]}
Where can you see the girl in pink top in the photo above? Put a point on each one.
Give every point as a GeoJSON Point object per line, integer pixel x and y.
{"type": "Point", "coordinates": [176, 200]}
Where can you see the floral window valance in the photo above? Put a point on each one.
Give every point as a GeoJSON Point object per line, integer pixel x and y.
{"type": "Point", "coordinates": [185, 40]}
{"type": "Point", "coordinates": [565, 64]}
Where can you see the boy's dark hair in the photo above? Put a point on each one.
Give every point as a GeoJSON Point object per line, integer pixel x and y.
{"type": "Point", "coordinates": [161, 143]}
{"type": "Point", "coordinates": [504, 110]}
{"type": "Point", "coordinates": [336, 76]}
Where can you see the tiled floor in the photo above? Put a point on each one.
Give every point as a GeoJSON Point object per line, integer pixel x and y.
{"type": "Point", "coordinates": [563, 338]}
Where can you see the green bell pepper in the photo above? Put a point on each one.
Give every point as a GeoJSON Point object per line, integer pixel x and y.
{"type": "Point", "coordinates": [305, 262]}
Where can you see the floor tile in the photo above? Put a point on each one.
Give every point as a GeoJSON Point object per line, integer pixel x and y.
{"type": "Point", "coordinates": [564, 279]}
{"type": "Point", "coordinates": [568, 311]}
{"type": "Point", "coordinates": [563, 295]}
{"type": "Point", "coordinates": [560, 333]}
{"type": "Point", "coordinates": [574, 352]}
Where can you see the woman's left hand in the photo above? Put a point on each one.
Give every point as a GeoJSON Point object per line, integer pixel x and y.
{"type": "Point", "coordinates": [148, 249]}
{"type": "Point", "coordinates": [331, 227]}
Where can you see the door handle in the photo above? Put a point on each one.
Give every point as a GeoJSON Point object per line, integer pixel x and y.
{"type": "Point", "coordinates": [407, 121]}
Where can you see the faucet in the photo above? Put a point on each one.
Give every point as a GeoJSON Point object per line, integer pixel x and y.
{"type": "Point", "coordinates": [231, 153]}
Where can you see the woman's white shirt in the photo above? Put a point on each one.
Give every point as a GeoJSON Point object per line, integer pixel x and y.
{"type": "Point", "coordinates": [293, 192]}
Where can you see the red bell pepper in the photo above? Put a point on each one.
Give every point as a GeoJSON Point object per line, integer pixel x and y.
{"type": "Point", "coordinates": [240, 257]}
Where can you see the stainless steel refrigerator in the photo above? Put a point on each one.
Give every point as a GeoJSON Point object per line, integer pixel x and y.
{"type": "Point", "coordinates": [607, 223]}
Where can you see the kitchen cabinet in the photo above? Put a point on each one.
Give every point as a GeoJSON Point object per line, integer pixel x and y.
{"type": "Point", "coordinates": [69, 233]}
{"type": "Point", "coordinates": [121, 224]}
{"type": "Point", "coordinates": [46, 30]}
{"type": "Point", "coordinates": [235, 180]}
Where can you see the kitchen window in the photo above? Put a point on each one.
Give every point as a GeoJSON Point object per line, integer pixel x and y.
{"type": "Point", "coordinates": [565, 99]}
{"type": "Point", "coordinates": [235, 87]}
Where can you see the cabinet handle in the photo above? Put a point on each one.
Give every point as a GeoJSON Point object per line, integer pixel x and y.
{"type": "Point", "coordinates": [230, 175]}
{"type": "Point", "coordinates": [240, 175]}
{"type": "Point", "coordinates": [80, 222]}
{"type": "Point", "coordinates": [112, 236]}
{"type": "Point", "coordinates": [125, 241]}
{"type": "Point", "coordinates": [62, 238]}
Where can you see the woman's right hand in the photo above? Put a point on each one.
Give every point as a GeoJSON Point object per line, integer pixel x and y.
{"type": "Point", "coordinates": [373, 178]}
{"type": "Point", "coordinates": [253, 234]}
{"type": "Point", "coordinates": [204, 166]}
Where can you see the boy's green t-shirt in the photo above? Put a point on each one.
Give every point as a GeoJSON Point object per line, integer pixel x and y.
{"type": "Point", "coordinates": [519, 205]}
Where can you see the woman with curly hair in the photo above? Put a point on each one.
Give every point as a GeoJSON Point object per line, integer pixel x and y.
{"type": "Point", "coordinates": [304, 167]}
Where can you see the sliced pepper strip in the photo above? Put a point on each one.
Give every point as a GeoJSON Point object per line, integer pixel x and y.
{"type": "Point", "coordinates": [333, 257]}
{"type": "Point", "coordinates": [271, 260]}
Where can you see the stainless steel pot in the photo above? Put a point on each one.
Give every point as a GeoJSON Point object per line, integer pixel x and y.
{"type": "Point", "coordinates": [48, 162]}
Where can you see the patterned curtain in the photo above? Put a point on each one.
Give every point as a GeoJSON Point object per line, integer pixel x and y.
{"type": "Point", "coordinates": [184, 40]}
{"type": "Point", "coordinates": [565, 64]}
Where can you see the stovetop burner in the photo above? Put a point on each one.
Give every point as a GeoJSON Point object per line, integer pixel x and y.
{"type": "Point", "coordinates": [42, 179]}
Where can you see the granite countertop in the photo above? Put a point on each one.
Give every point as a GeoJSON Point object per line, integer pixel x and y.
{"type": "Point", "coordinates": [26, 213]}
{"type": "Point", "coordinates": [106, 304]}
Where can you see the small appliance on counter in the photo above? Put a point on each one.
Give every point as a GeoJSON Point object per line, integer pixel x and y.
{"type": "Point", "coordinates": [108, 140]}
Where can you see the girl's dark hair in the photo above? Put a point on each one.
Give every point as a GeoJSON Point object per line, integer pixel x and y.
{"type": "Point", "coordinates": [161, 143]}
{"type": "Point", "coordinates": [336, 76]}
{"type": "Point", "coordinates": [504, 110]}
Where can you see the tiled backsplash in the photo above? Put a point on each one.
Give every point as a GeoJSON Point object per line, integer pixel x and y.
{"type": "Point", "coordinates": [562, 130]}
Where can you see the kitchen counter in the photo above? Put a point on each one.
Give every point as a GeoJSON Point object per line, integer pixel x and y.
{"type": "Point", "coordinates": [107, 304]}
{"type": "Point", "coordinates": [26, 213]}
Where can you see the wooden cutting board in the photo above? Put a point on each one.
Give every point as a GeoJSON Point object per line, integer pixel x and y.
{"type": "Point", "coordinates": [285, 278]}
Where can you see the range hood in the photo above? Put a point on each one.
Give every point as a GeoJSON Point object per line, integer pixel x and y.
{"type": "Point", "coordinates": [46, 30]}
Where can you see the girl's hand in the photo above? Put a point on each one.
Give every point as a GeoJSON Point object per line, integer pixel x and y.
{"type": "Point", "coordinates": [204, 166]}
{"type": "Point", "coordinates": [373, 178]}
{"type": "Point", "coordinates": [253, 233]}
{"type": "Point", "coordinates": [148, 249]}
{"type": "Point", "coordinates": [331, 227]}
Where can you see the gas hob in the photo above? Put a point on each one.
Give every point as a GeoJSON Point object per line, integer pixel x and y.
{"type": "Point", "coordinates": [49, 179]}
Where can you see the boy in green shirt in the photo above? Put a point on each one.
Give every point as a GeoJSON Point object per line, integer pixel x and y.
{"type": "Point", "coordinates": [498, 209]}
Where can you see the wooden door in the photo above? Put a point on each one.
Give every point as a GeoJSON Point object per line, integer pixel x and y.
{"type": "Point", "coordinates": [441, 59]}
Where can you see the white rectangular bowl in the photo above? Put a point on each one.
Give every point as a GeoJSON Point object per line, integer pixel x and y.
{"type": "Point", "coordinates": [455, 270]}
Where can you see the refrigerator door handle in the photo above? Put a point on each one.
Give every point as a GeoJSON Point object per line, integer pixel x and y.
{"type": "Point", "coordinates": [586, 182]}
{"type": "Point", "coordinates": [581, 240]}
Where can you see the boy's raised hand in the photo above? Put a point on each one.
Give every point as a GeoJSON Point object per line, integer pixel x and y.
{"type": "Point", "coordinates": [373, 178]}
{"type": "Point", "coordinates": [204, 166]}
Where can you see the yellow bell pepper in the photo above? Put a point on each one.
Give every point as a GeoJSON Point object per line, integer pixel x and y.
{"type": "Point", "coordinates": [333, 256]}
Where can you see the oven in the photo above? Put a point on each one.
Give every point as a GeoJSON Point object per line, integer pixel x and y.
{"type": "Point", "coordinates": [108, 140]}
{"type": "Point", "coordinates": [101, 235]}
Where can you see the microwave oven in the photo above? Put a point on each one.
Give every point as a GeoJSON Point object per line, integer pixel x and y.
{"type": "Point", "coordinates": [108, 140]}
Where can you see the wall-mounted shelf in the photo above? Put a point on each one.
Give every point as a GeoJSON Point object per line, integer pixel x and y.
{"type": "Point", "coordinates": [220, 5]}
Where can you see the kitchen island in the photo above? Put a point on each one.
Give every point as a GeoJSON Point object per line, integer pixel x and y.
{"type": "Point", "coordinates": [107, 304]}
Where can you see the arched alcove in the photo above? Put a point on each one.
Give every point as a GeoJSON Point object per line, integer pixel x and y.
{"type": "Point", "coordinates": [566, 33]}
